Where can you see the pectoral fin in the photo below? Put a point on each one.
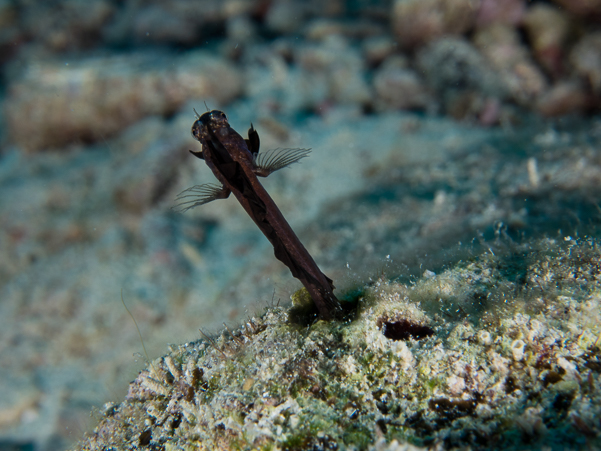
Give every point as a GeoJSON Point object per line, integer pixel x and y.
{"type": "Point", "coordinates": [199, 195]}
{"type": "Point", "coordinates": [197, 154]}
{"type": "Point", "coordinates": [273, 160]}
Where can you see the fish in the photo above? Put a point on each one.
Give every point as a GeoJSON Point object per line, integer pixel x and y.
{"type": "Point", "coordinates": [237, 163]}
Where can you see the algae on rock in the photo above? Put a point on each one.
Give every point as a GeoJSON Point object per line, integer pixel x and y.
{"type": "Point", "coordinates": [493, 353]}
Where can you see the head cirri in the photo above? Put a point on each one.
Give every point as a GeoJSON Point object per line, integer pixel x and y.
{"type": "Point", "coordinates": [213, 120]}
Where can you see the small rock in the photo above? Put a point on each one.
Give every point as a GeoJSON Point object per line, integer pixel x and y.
{"type": "Point", "coordinates": [591, 9]}
{"type": "Point", "coordinates": [484, 337]}
{"type": "Point", "coordinates": [398, 87]}
{"type": "Point", "coordinates": [416, 22]}
{"type": "Point", "coordinates": [531, 422]}
{"type": "Point", "coordinates": [456, 384]}
{"type": "Point", "coordinates": [377, 49]}
{"type": "Point", "coordinates": [453, 63]}
{"type": "Point", "coordinates": [342, 67]}
{"type": "Point", "coordinates": [586, 58]}
{"type": "Point", "coordinates": [517, 350]}
{"type": "Point", "coordinates": [519, 75]}
{"type": "Point", "coordinates": [547, 28]}
{"type": "Point", "coordinates": [285, 16]}
{"type": "Point", "coordinates": [509, 12]}
{"type": "Point", "coordinates": [320, 29]}
{"type": "Point", "coordinates": [563, 98]}
{"type": "Point", "coordinates": [460, 75]}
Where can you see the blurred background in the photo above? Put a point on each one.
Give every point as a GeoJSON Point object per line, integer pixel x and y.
{"type": "Point", "coordinates": [439, 128]}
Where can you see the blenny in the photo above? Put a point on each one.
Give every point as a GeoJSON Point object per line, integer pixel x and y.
{"type": "Point", "coordinates": [236, 163]}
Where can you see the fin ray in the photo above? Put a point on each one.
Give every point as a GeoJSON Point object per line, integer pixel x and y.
{"type": "Point", "coordinates": [276, 159]}
{"type": "Point", "coordinates": [199, 195]}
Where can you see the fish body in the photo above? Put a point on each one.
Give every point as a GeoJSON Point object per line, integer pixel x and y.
{"type": "Point", "coordinates": [235, 162]}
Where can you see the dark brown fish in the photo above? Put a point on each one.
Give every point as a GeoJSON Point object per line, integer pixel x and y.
{"type": "Point", "coordinates": [236, 163]}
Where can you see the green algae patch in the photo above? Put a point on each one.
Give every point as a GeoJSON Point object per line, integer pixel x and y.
{"type": "Point", "coordinates": [497, 352]}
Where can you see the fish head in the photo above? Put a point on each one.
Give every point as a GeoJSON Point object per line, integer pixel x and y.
{"type": "Point", "coordinates": [209, 122]}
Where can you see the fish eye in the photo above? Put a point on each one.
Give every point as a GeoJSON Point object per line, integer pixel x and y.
{"type": "Point", "coordinates": [196, 127]}
{"type": "Point", "coordinates": [216, 114]}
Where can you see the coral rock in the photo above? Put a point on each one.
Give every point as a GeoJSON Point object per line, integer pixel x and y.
{"type": "Point", "coordinates": [547, 28]}
{"type": "Point", "coordinates": [563, 98]}
{"type": "Point", "coordinates": [398, 87]}
{"type": "Point", "coordinates": [416, 22]}
{"type": "Point", "coordinates": [460, 75]}
{"type": "Point", "coordinates": [93, 98]}
{"type": "Point", "coordinates": [508, 12]}
{"type": "Point", "coordinates": [586, 58]}
{"type": "Point", "coordinates": [591, 9]}
{"type": "Point", "coordinates": [519, 75]}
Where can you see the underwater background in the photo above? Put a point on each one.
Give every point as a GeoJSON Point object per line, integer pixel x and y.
{"type": "Point", "coordinates": [440, 130]}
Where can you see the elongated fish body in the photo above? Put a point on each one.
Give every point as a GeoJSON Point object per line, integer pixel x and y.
{"type": "Point", "coordinates": [235, 166]}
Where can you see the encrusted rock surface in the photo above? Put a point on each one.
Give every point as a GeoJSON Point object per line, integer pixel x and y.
{"type": "Point", "coordinates": [497, 352]}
